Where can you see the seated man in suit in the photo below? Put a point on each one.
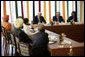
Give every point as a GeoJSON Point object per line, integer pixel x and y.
{"type": "Point", "coordinates": [58, 18]}
{"type": "Point", "coordinates": [18, 32]}
{"type": "Point", "coordinates": [26, 27]}
{"type": "Point", "coordinates": [38, 19]}
{"type": "Point", "coordinates": [40, 43]}
{"type": "Point", "coordinates": [73, 17]}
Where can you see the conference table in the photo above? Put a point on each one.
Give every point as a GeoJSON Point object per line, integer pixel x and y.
{"type": "Point", "coordinates": [74, 32]}
{"type": "Point", "coordinates": [57, 49]}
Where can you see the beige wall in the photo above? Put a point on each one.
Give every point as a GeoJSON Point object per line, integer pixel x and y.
{"type": "Point", "coordinates": [82, 11]}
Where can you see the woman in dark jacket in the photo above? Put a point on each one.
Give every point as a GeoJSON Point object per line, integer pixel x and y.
{"type": "Point", "coordinates": [73, 17]}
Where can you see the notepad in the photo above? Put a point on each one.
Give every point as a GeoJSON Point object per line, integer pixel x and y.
{"type": "Point", "coordinates": [66, 42]}
{"type": "Point", "coordinates": [61, 46]}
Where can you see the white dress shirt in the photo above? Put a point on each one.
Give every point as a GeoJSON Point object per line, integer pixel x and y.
{"type": "Point", "coordinates": [26, 29]}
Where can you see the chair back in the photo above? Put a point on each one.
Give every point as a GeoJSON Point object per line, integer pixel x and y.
{"type": "Point", "coordinates": [6, 35]}
{"type": "Point", "coordinates": [15, 41]}
{"type": "Point", "coordinates": [24, 48]}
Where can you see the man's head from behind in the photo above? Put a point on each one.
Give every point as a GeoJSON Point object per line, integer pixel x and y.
{"type": "Point", "coordinates": [26, 20]}
{"type": "Point", "coordinates": [18, 23]}
{"type": "Point", "coordinates": [41, 28]}
{"type": "Point", "coordinates": [5, 18]}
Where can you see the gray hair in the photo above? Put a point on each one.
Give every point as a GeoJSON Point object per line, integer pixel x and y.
{"type": "Point", "coordinates": [41, 28]}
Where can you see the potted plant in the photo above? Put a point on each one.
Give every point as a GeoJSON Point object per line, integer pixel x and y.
{"type": "Point", "coordinates": [61, 37]}
{"type": "Point", "coordinates": [52, 22]}
{"type": "Point", "coordinates": [72, 22]}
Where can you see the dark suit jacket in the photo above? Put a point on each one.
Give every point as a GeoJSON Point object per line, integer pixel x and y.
{"type": "Point", "coordinates": [60, 19]}
{"type": "Point", "coordinates": [40, 42]}
{"type": "Point", "coordinates": [21, 35]}
{"type": "Point", "coordinates": [35, 20]}
{"type": "Point", "coordinates": [70, 18]}
{"type": "Point", "coordinates": [40, 39]}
